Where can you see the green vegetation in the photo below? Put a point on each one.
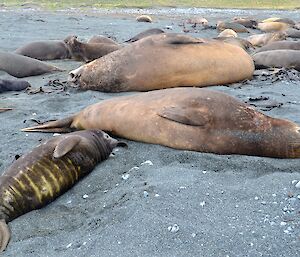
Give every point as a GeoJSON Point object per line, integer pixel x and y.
{"type": "Point", "coordinates": [60, 4]}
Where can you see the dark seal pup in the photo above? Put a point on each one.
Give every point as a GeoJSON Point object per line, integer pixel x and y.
{"type": "Point", "coordinates": [13, 85]}
{"type": "Point", "coordinates": [89, 51]}
{"type": "Point", "coordinates": [196, 119]}
{"type": "Point", "coordinates": [45, 50]}
{"type": "Point", "coordinates": [50, 169]}
{"type": "Point", "coordinates": [22, 66]}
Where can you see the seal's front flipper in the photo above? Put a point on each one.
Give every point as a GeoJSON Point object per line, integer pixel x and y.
{"type": "Point", "coordinates": [186, 115]}
{"type": "Point", "coordinates": [4, 235]}
{"type": "Point", "coordinates": [66, 145]}
{"type": "Point", "coordinates": [58, 126]}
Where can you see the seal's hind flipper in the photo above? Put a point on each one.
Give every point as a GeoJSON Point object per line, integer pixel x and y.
{"type": "Point", "coordinates": [4, 235]}
{"type": "Point", "coordinates": [59, 126]}
{"type": "Point", "coordinates": [188, 116]}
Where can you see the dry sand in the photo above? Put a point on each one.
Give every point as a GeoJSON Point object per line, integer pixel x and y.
{"type": "Point", "coordinates": [186, 203]}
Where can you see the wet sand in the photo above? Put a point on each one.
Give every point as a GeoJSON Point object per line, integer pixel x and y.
{"type": "Point", "coordinates": [178, 203]}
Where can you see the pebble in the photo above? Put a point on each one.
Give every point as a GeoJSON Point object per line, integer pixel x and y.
{"type": "Point", "coordinates": [69, 245]}
{"type": "Point", "coordinates": [173, 228]}
{"type": "Point", "coordinates": [125, 176]}
{"type": "Point", "coordinates": [146, 194]}
{"type": "Point", "coordinates": [202, 203]}
{"type": "Point", "coordinates": [282, 223]}
{"type": "Point", "coordinates": [134, 168]}
{"type": "Point", "coordinates": [70, 201]}
{"type": "Point", "coordinates": [85, 196]}
{"type": "Point", "coordinates": [256, 197]}
{"type": "Point", "coordinates": [193, 234]}
{"type": "Point", "coordinates": [56, 134]}
{"type": "Point", "coordinates": [147, 162]}
{"type": "Point", "coordinates": [294, 181]}
{"type": "Point", "coordinates": [298, 184]}
{"type": "Point", "coordinates": [263, 202]}
{"type": "Point", "coordinates": [156, 195]}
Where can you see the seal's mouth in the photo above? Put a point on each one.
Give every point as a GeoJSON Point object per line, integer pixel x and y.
{"type": "Point", "coordinates": [75, 75]}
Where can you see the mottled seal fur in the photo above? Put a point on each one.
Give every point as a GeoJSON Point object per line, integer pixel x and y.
{"type": "Point", "coordinates": [50, 169]}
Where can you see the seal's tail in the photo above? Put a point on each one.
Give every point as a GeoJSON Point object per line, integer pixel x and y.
{"type": "Point", "coordinates": [58, 126]}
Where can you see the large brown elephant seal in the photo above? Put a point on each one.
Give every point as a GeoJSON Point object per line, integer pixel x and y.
{"type": "Point", "coordinates": [194, 119]}
{"type": "Point", "coordinates": [163, 61]}
{"type": "Point", "coordinates": [13, 85]}
{"type": "Point", "coordinates": [231, 25]}
{"type": "Point", "coordinates": [45, 50]}
{"type": "Point", "coordinates": [101, 39]}
{"type": "Point", "coordinates": [278, 59]}
{"type": "Point", "coordinates": [272, 26]}
{"type": "Point", "coordinates": [263, 39]}
{"type": "Point", "coordinates": [291, 45]}
{"type": "Point", "coordinates": [46, 172]}
{"type": "Point", "coordinates": [89, 51]}
{"type": "Point", "coordinates": [248, 23]}
{"type": "Point", "coordinates": [144, 34]}
{"type": "Point", "coordinates": [22, 66]}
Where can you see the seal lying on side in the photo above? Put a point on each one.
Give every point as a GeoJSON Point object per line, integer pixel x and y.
{"type": "Point", "coordinates": [228, 33]}
{"type": "Point", "coordinates": [101, 39]}
{"type": "Point", "coordinates": [248, 23]}
{"type": "Point", "coordinates": [144, 34]}
{"type": "Point", "coordinates": [293, 33]}
{"type": "Point", "coordinates": [276, 19]}
{"type": "Point", "coordinates": [195, 119]}
{"type": "Point", "coordinates": [45, 50]}
{"type": "Point", "coordinates": [291, 45]}
{"type": "Point", "coordinates": [231, 25]}
{"type": "Point", "coordinates": [13, 85]}
{"type": "Point", "coordinates": [162, 61]}
{"type": "Point", "coordinates": [278, 59]}
{"type": "Point", "coordinates": [46, 172]}
{"type": "Point", "coordinates": [240, 42]}
{"type": "Point", "coordinates": [89, 51]}
{"type": "Point", "coordinates": [263, 39]}
{"type": "Point", "coordinates": [22, 66]}
{"type": "Point", "coordinates": [272, 26]}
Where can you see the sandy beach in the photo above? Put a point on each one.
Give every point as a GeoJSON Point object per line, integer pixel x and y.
{"type": "Point", "coordinates": [150, 200]}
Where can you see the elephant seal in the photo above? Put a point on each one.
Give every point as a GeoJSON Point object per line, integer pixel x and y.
{"type": "Point", "coordinates": [291, 45]}
{"type": "Point", "coordinates": [197, 20]}
{"type": "Point", "coordinates": [45, 50]}
{"type": "Point", "coordinates": [240, 42]}
{"type": "Point", "coordinates": [278, 59]}
{"type": "Point", "coordinates": [5, 109]}
{"type": "Point", "coordinates": [22, 66]}
{"type": "Point", "coordinates": [263, 39]}
{"type": "Point", "coordinates": [50, 169]}
{"type": "Point", "coordinates": [248, 23]}
{"type": "Point", "coordinates": [231, 25]}
{"type": "Point", "coordinates": [13, 85]}
{"type": "Point", "coordinates": [163, 61]}
{"type": "Point", "coordinates": [228, 33]}
{"type": "Point", "coordinates": [284, 20]}
{"type": "Point", "coordinates": [89, 51]}
{"type": "Point", "coordinates": [144, 18]}
{"type": "Point", "coordinates": [144, 34]}
{"type": "Point", "coordinates": [196, 119]}
{"type": "Point", "coordinates": [101, 39]}
{"type": "Point", "coordinates": [272, 26]}
{"type": "Point", "coordinates": [293, 33]}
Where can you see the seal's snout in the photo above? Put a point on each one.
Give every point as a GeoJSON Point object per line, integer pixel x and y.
{"type": "Point", "coordinates": [74, 75]}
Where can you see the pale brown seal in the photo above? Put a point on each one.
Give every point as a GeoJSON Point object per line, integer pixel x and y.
{"type": "Point", "coordinates": [291, 45]}
{"type": "Point", "coordinates": [272, 26]}
{"type": "Point", "coordinates": [266, 38]}
{"type": "Point", "coordinates": [162, 61]}
{"type": "Point", "coordinates": [221, 25]}
{"type": "Point", "coordinates": [144, 18]}
{"type": "Point", "coordinates": [101, 39]}
{"type": "Point", "coordinates": [228, 33]}
{"type": "Point", "coordinates": [194, 119]}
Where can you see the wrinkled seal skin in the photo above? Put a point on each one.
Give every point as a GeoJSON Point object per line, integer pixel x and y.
{"type": "Point", "coordinates": [163, 61]}
{"type": "Point", "coordinates": [101, 39]}
{"type": "Point", "coordinates": [45, 50]}
{"type": "Point", "coordinates": [231, 25]}
{"type": "Point", "coordinates": [89, 51]}
{"type": "Point", "coordinates": [144, 34]}
{"type": "Point", "coordinates": [291, 45]}
{"type": "Point", "coordinates": [264, 39]}
{"type": "Point", "coordinates": [50, 169]}
{"type": "Point", "coordinates": [195, 119]}
{"type": "Point", "coordinates": [13, 85]}
{"type": "Point", "coordinates": [22, 66]}
{"type": "Point", "coordinates": [278, 58]}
